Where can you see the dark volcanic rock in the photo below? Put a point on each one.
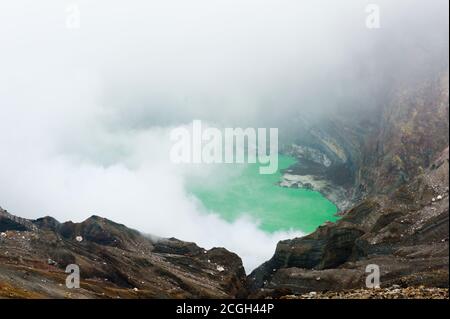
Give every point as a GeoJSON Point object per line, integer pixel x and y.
{"type": "Point", "coordinates": [114, 261]}
{"type": "Point", "coordinates": [8, 224]}
{"type": "Point", "coordinates": [176, 247]}
{"type": "Point", "coordinates": [351, 155]}
{"type": "Point", "coordinates": [12, 222]}
{"type": "Point", "coordinates": [384, 168]}
{"type": "Point", "coordinates": [405, 234]}
{"type": "Point", "coordinates": [47, 223]}
{"type": "Point", "coordinates": [103, 232]}
{"type": "Point", "coordinates": [387, 169]}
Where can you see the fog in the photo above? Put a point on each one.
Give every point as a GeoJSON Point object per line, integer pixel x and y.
{"type": "Point", "coordinates": [86, 112]}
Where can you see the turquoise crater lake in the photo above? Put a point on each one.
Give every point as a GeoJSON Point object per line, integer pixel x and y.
{"type": "Point", "coordinates": [241, 190]}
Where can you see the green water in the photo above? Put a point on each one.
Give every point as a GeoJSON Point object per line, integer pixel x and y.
{"type": "Point", "coordinates": [240, 190]}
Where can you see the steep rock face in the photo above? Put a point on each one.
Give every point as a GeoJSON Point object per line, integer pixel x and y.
{"type": "Point", "coordinates": [114, 261]}
{"type": "Point", "coordinates": [387, 166]}
{"type": "Point", "coordinates": [413, 130]}
{"type": "Point", "coordinates": [350, 155]}
{"type": "Point", "coordinates": [405, 233]}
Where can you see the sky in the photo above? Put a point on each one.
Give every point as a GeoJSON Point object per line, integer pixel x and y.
{"type": "Point", "coordinates": [86, 112]}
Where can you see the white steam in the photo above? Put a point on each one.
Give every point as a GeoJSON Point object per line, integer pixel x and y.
{"type": "Point", "coordinates": [85, 113]}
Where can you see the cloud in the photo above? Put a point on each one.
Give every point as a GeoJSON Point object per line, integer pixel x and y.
{"type": "Point", "coordinates": [85, 112]}
{"type": "Point", "coordinates": [61, 157]}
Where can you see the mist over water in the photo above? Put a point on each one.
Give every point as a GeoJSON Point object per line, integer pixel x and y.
{"type": "Point", "coordinates": [242, 191]}
{"type": "Point", "coordinates": [86, 113]}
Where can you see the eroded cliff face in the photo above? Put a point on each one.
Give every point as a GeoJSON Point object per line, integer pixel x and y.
{"type": "Point", "coordinates": [413, 130]}
{"type": "Point", "coordinates": [114, 261]}
{"type": "Point", "coordinates": [404, 233]}
{"type": "Point", "coordinates": [388, 172]}
{"type": "Point", "coordinates": [350, 155]}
